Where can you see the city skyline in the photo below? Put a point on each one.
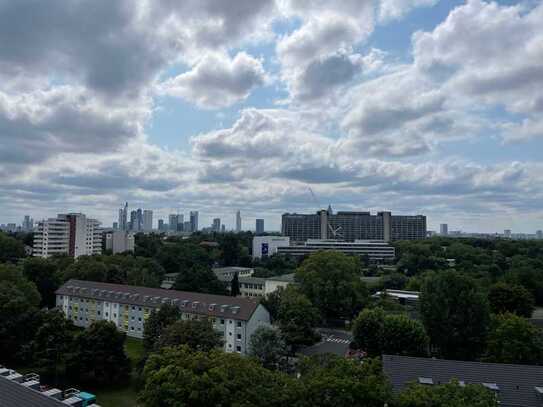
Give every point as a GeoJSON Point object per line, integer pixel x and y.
{"type": "Point", "coordinates": [426, 106]}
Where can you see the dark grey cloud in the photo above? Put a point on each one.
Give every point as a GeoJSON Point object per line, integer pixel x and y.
{"type": "Point", "coordinates": [323, 75]}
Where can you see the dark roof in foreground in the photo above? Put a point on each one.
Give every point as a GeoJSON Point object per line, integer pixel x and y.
{"type": "Point", "coordinates": [14, 394]}
{"type": "Point", "coordinates": [517, 383]}
{"type": "Point", "coordinates": [196, 303]}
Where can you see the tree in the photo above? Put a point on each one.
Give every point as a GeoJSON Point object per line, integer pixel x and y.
{"type": "Point", "coordinates": [512, 298]}
{"type": "Point", "coordinates": [87, 268]}
{"type": "Point", "coordinates": [53, 340]}
{"type": "Point", "coordinates": [182, 377]}
{"type": "Point", "coordinates": [455, 315]}
{"type": "Point", "coordinates": [158, 320]}
{"type": "Point", "coordinates": [230, 250]}
{"type": "Point", "coordinates": [180, 256]}
{"type": "Point", "coordinates": [98, 355]}
{"type": "Point", "coordinates": [19, 301]}
{"type": "Point", "coordinates": [329, 380]}
{"type": "Point", "coordinates": [296, 318]}
{"type": "Point", "coordinates": [199, 279]}
{"type": "Point", "coordinates": [512, 339]}
{"type": "Point", "coordinates": [378, 333]}
{"type": "Point", "coordinates": [10, 249]}
{"type": "Point", "coordinates": [272, 302]}
{"type": "Point", "coordinates": [331, 281]}
{"type": "Point", "coordinates": [234, 286]}
{"type": "Point", "coordinates": [44, 273]}
{"type": "Point", "coordinates": [269, 347]}
{"type": "Point", "coordinates": [197, 334]}
{"type": "Point", "coordinates": [446, 395]}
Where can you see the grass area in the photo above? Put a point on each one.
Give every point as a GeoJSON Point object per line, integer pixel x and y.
{"type": "Point", "coordinates": [134, 349]}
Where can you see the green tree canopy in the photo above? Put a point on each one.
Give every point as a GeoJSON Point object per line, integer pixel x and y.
{"type": "Point", "coordinates": [184, 378]}
{"type": "Point", "coordinates": [446, 395]}
{"type": "Point", "coordinates": [269, 347]}
{"type": "Point", "coordinates": [45, 274]}
{"type": "Point", "coordinates": [455, 315]}
{"type": "Point", "coordinates": [378, 333]}
{"type": "Point", "coordinates": [53, 340]}
{"type": "Point", "coordinates": [11, 249]}
{"type": "Point", "coordinates": [98, 355]}
{"type": "Point", "coordinates": [199, 279]}
{"type": "Point", "coordinates": [197, 334]}
{"type": "Point", "coordinates": [331, 281]}
{"type": "Point", "coordinates": [296, 318]}
{"type": "Point", "coordinates": [156, 323]}
{"type": "Point", "coordinates": [329, 380]}
{"type": "Point", "coordinates": [234, 286]}
{"type": "Point", "coordinates": [513, 339]}
{"type": "Point", "coordinates": [19, 301]}
{"type": "Point", "coordinates": [512, 298]}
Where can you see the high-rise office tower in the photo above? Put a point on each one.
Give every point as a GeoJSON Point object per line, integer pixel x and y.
{"type": "Point", "coordinates": [28, 223]}
{"type": "Point", "coordinates": [507, 233]}
{"type": "Point", "coordinates": [72, 234]}
{"type": "Point", "coordinates": [116, 225]}
{"type": "Point", "coordinates": [238, 221]}
{"type": "Point", "coordinates": [140, 219]}
{"type": "Point", "coordinates": [539, 234]}
{"type": "Point", "coordinates": [186, 226]}
{"type": "Point", "coordinates": [133, 221]}
{"type": "Point", "coordinates": [172, 222]}
{"type": "Point", "coordinates": [259, 226]}
{"type": "Point", "coordinates": [147, 220]}
{"type": "Point", "coordinates": [161, 225]}
{"type": "Point", "coordinates": [216, 227]}
{"type": "Point", "coordinates": [194, 221]}
{"type": "Point", "coordinates": [223, 228]}
{"type": "Point", "coordinates": [444, 229]}
{"type": "Point", "coordinates": [123, 217]}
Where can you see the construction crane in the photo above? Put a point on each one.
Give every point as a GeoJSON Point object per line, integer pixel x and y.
{"type": "Point", "coordinates": [334, 232]}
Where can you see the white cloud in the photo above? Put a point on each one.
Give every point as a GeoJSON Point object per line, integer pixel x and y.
{"type": "Point", "coordinates": [217, 81]}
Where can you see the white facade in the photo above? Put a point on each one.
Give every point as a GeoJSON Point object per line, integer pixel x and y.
{"type": "Point", "coordinates": [72, 234]}
{"type": "Point", "coordinates": [267, 245]}
{"type": "Point", "coordinates": [129, 307]}
{"type": "Point", "coordinates": [119, 241]}
{"type": "Point", "coordinates": [376, 250]}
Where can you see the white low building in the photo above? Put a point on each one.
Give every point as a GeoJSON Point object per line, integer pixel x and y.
{"type": "Point", "coordinates": [376, 250]}
{"type": "Point", "coordinates": [264, 246]}
{"type": "Point", "coordinates": [128, 307]}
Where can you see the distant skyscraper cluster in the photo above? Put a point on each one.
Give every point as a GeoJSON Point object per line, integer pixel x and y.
{"type": "Point", "coordinates": [141, 220]}
{"type": "Point", "coordinates": [177, 223]}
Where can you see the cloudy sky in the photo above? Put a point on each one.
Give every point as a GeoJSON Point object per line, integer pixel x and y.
{"type": "Point", "coordinates": [413, 106]}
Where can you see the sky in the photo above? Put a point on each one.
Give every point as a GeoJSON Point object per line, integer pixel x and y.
{"type": "Point", "coordinates": [413, 106]}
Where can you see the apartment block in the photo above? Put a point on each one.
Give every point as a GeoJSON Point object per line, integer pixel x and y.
{"type": "Point", "coordinates": [352, 226]}
{"type": "Point", "coordinates": [119, 241]}
{"type": "Point", "coordinates": [128, 307]}
{"type": "Point", "coordinates": [71, 234]}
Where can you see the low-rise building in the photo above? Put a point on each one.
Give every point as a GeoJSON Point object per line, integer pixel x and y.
{"type": "Point", "coordinates": [514, 385]}
{"type": "Point", "coordinates": [259, 286]}
{"type": "Point", "coordinates": [128, 307]}
{"type": "Point", "coordinates": [377, 250]}
{"type": "Point", "coordinates": [227, 273]}
{"type": "Point", "coordinates": [264, 246]}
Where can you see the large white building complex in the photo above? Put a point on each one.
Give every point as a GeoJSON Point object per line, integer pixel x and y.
{"type": "Point", "coordinates": [71, 234]}
{"type": "Point", "coordinates": [376, 250]}
{"type": "Point", "coordinates": [128, 307]}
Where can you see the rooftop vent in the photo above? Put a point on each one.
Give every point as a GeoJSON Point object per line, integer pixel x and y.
{"type": "Point", "coordinates": [235, 309]}
{"type": "Point", "coordinates": [224, 307]}
{"type": "Point", "coordinates": [184, 303]}
{"type": "Point", "coordinates": [195, 304]}
{"type": "Point", "coordinates": [212, 307]}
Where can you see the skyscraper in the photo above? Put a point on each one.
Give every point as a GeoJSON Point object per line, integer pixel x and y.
{"type": "Point", "coordinates": [216, 227]}
{"type": "Point", "coordinates": [172, 222]}
{"type": "Point", "coordinates": [28, 223]}
{"type": "Point", "coordinates": [238, 221]}
{"type": "Point", "coordinates": [123, 217]}
{"type": "Point", "coordinates": [259, 226]}
{"type": "Point", "coordinates": [133, 220]}
{"type": "Point", "coordinates": [161, 225]}
{"type": "Point", "coordinates": [147, 220]}
{"type": "Point", "coordinates": [539, 234]}
{"type": "Point", "coordinates": [194, 221]}
{"type": "Point", "coordinates": [444, 229]}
